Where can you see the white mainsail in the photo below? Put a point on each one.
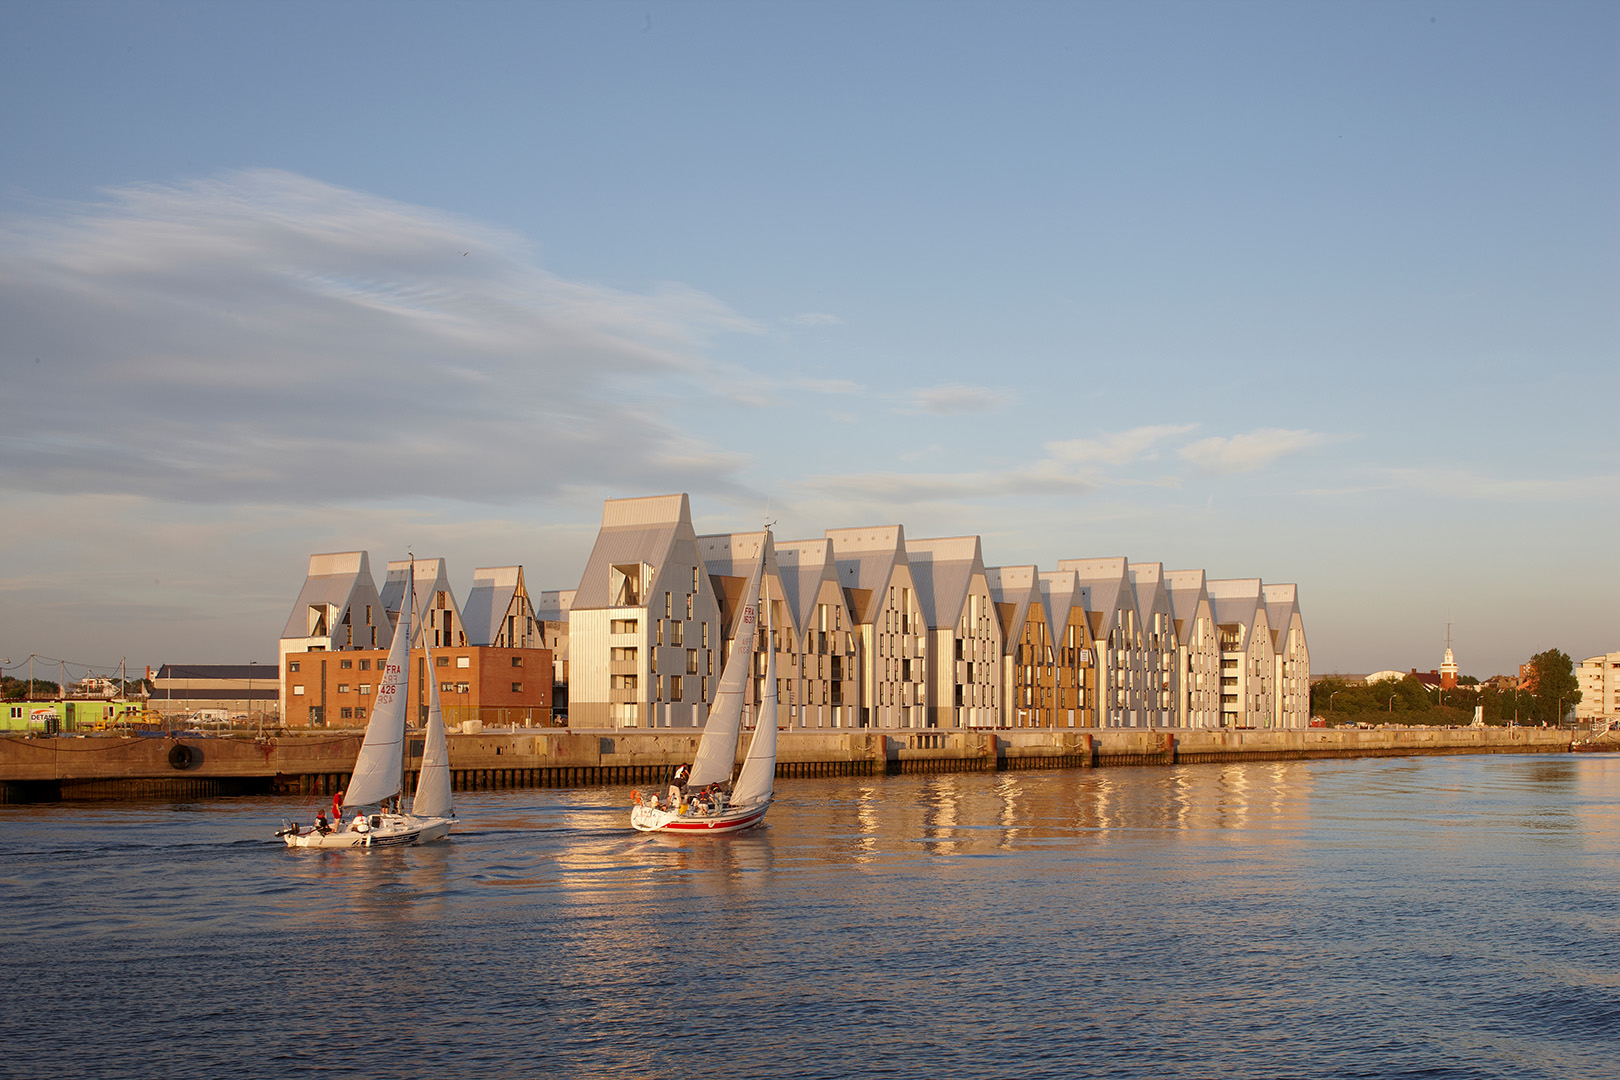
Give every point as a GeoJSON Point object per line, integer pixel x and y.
{"type": "Point", "coordinates": [379, 771]}
{"type": "Point", "coordinates": [754, 783]}
{"type": "Point", "coordinates": [432, 797]}
{"type": "Point", "coordinates": [717, 750]}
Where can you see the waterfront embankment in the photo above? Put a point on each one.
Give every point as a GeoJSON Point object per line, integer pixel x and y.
{"type": "Point", "coordinates": [35, 769]}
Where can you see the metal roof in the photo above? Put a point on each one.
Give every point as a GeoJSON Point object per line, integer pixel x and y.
{"type": "Point", "coordinates": [942, 571]}
{"type": "Point", "coordinates": [866, 559]}
{"type": "Point", "coordinates": [633, 531]}
{"type": "Point", "coordinates": [1013, 588]}
{"type": "Point", "coordinates": [490, 601]}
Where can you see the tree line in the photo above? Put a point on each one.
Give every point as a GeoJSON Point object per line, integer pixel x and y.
{"type": "Point", "coordinates": [1553, 693]}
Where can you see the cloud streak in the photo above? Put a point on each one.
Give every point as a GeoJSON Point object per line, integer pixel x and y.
{"type": "Point", "coordinates": [269, 337]}
{"type": "Point", "coordinates": [1249, 451]}
{"type": "Point", "coordinates": [956, 399]}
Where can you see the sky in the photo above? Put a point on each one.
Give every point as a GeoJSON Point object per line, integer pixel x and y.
{"type": "Point", "coordinates": [1319, 293]}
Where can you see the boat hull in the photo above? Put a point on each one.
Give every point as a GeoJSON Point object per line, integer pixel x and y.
{"type": "Point", "coordinates": [394, 830]}
{"type": "Point", "coordinates": [732, 819]}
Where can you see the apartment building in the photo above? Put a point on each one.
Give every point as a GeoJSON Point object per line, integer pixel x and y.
{"type": "Point", "coordinates": [825, 680]}
{"type": "Point", "coordinates": [1153, 615]}
{"type": "Point", "coordinates": [1248, 660]}
{"type": "Point", "coordinates": [1198, 653]}
{"type": "Point", "coordinates": [962, 665]}
{"type": "Point", "coordinates": [338, 607]}
{"type": "Point", "coordinates": [1600, 688]}
{"type": "Point", "coordinates": [551, 616]}
{"type": "Point", "coordinates": [498, 610]}
{"type": "Point", "coordinates": [490, 685]}
{"type": "Point", "coordinates": [644, 628]}
{"type": "Point", "coordinates": [1291, 682]}
{"type": "Point", "coordinates": [1118, 654]}
{"type": "Point", "coordinates": [1067, 604]}
{"type": "Point", "coordinates": [879, 591]}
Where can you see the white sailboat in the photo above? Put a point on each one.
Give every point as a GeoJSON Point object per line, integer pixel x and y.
{"type": "Point", "coordinates": [711, 803]}
{"type": "Point", "coordinates": [379, 770]}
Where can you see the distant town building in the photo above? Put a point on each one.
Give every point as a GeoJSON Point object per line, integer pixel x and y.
{"type": "Point", "coordinates": [248, 692]}
{"type": "Point", "coordinates": [1600, 688]}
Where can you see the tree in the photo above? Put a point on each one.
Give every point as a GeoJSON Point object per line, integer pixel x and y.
{"type": "Point", "coordinates": [1557, 688]}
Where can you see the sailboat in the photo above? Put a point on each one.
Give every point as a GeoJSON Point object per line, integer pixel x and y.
{"type": "Point", "coordinates": [711, 804]}
{"type": "Point", "coordinates": [379, 770]}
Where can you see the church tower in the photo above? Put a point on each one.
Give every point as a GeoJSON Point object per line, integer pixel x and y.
{"type": "Point", "coordinates": [1448, 669]}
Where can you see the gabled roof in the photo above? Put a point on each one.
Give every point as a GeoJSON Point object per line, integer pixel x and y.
{"type": "Point", "coordinates": [1236, 601]}
{"type": "Point", "coordinates": [942, 571]}
{"type": "Point", "coordinates": [1186, 589]}
{"type": "Point", "coordinates": [729, 559]}
{"type": "Point", "coordinates": [1109, 584]}
{"type": "Point", "coordinates": [1012, 590]}
{"type": "Point", "coordinates": [866, 559]}
{"type": "Point", "coordinates": [553, 605]}
{"type": "Point", "coordinates": [1147, 582]}
{"type": "Point", "coordinates": [633, 531]}
{"type": "Point", "coordinates": [804, 565]}
{"type": "Point", "coordinates": [431, 577]}
{"type": "Point", "coordinates": [490, 601]}
{"type": "Point", "coordinates": [1282, 603]}
{"type": "Point", "coordinates": [333, 579]}
{"type": "Point", "coordinates": [1061, 592]}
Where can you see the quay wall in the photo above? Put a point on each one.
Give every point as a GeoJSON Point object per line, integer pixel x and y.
{"type": "Point", "coordinates": [33, 769]}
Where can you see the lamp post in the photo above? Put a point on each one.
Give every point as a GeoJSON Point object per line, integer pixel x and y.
{"type": "Point", "coordinates": [251, 664]}
{"type": "Point", "coordinates": [1331, 696]}
{"type": "Point", "coordinates": [1392, 704]}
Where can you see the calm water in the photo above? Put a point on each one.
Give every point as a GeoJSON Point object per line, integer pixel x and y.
{"type": "Point", "coordinates": [1435, 917]}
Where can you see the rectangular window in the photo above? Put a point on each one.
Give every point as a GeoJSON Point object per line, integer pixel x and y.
{"type": "Point", "coordinates": [365, 689]}
{"type": "Point", "coordinates": [517, 661]}
{"type": "Point", "coordinates": [517, 688]}
{"type": "Point", "coordinates": [461, 687]}
{"type": "Point", "coordinates": [298, 691]}
{"type": "Point", "coordinates": [705, 634]}
{"type": "Point", "coordinates": [343, 688]}
{"type": "Point", "coordinates": [694, 579]}
{"type": "Point", "coordinates": [660, 638]}
{"type": "Point", "coordinates": [710, 664]}
{"type": "Point", "coordinates": [688, 605]}
{"type": "Point", "coordinates": [624, 626]}
{"type": "Point", "coordinates": [674, 688]}
{"type": "Point", "coordinates": [463, 661]}
{"type": "Point", "coordinates": [292, 666]}
{"type": "Point", "coordinates": [677, 634]}
{"type": "Point", "coordinates": [691, 662]}
{"type": "Point", "coordinates": [669, 606]}
{"type": "Point", "coordinates": [365, 665]}
{"type": "Point", "coordinates": [346, 713]}
{"type": "Point", "coordinates": [345, 663]}
{"type": "Point", "coordinates": [359, 712]}
{"type": "Point", "coordinates": [703, 688]}
{"type": "Point", "coordinates": [658, 688]}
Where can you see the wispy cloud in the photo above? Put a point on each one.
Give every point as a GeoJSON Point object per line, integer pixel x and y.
{"type": "Point", "coordinates": [1116, 448]}
{"type": "Point", "coordinates": [956, 398]}
{"type": "Point", "coordinates": [265, 335]}
{"type": "Point", "coordinates": [1249, 451]}
{"type": "Point", "coordinates": [813, 318]}
{"type": "Point", "coordinates": [828, 386]}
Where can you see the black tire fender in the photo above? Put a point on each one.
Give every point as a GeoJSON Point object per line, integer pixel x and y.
{"type": "Point", "coordinates": [181, 755]}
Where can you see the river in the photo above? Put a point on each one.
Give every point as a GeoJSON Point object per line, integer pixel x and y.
{"type": "Point", "coordinates": [1422, 917]}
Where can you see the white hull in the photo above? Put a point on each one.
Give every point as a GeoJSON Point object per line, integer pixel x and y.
{"type": "Point", "coordinates": [646, 818]}
{"type": "Point", "coordinates": [389, 830]}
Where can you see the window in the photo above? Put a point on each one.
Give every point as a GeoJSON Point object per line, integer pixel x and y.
{"type": "Point", "coordinates": [463, 661]}
{"type": "Point", "coordinates": [365, 689]}
{"type": "Point", "coordinates": [298, 691]}
{"type": "Point", "coordinates": [346, 664]}
{"type": "Point", "coordinates": [346, 713]}
{"type": "Point", "coordinates": [705, 634]}
{"type": "Point", "coordinates": [703, 689]}
{"type": "Point", "coordinates": [365, 665]}
{"type": "Point", "coordinates": [691, 662]}
{"type": "Point", "coordinates": [658, 688]}
{"type": "Point", "coordinates": [624, 585]}
{"type": "Point", "coordinates": [688, 605]}
{"type": "Point", "coordinates": [624, 626]}
{"type": "Point", "coordinates": [461, 687]}
{"type": "Point", "coordinates": [669, 606]}
{"type": "Point", "coordinates": [622, 654]}
{"type": "Point", "coordinates": [660, 640]}
{"type": "Point", "coordinates": [517, 661]}
{"type": "Point", "coordinates": [447, 688]}
{"type": "Point", "coordinates": [441, 661]}
{"type": "Point", "coordinates": [368, 614]}
{"type": "Point", "coordinates": [292, 666]}
{"type": "Point", "coordinates": [676, 634]}
{"type": "Point", "coordinates": [343, 688]}
{"type": "Point", "coordinates": [674, 688]}
{"type": "Point", "coordinates": [517, 688]}
{"type": "Point", "coordinates": [694, 581]}
{"type": "Point", "coordinates": [359, 712]}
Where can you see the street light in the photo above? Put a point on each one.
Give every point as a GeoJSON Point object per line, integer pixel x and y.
{"type": "Point", "coordinates": [1331, 696]}
{"type": "Point", "coordinates": [1392, 703]}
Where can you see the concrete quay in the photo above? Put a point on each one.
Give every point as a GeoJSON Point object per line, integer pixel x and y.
{"type": "Point", "coordinates": [33, 769]}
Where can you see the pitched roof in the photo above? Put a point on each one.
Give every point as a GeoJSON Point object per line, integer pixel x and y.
{"type": "Point", "coordinates": [804, 565]}
{"type": "Point", "coordinates": [729, 559]}
{"type": "Point", "coordinates": [493, 590]}
{"type": "Point", "coordinates": [1186, 588]}
{"type": "Point", "coordinates": [1147, 583]}
{"type": "Point", "coordinates": [1236, 601]}
{"type": "Point", "coordinates": [1282, 603]}
{"type": "Point", "coordinates": [1061, 592]}
{"type": "Point", "coordinates": [633, 531]}
{"type": "Point", "coordinates": [332, 579]}
{"type": "Point", "coordinates": [1109, 584]}
{"type": "Point", "coordinates": [866, 559]}
{"type": "Point", "coordinates": [942, 571]}
{"type": "Point", "coordinates": [1012, 590]}
{"type": "Point", "coordinates": [431, 577]}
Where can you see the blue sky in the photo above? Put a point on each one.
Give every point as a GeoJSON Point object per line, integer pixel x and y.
{"type": "Point", "coordinates": [1322, 293]}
